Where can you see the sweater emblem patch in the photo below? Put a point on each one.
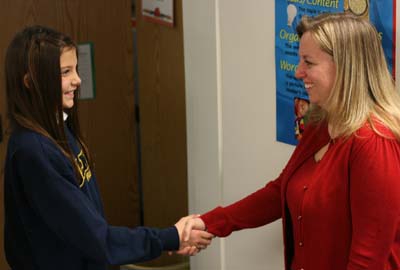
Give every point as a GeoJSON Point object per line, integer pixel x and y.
{"type": "Point", "coordinates": [83, 167]}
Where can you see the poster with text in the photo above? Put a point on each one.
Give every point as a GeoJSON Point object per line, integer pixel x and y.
{"type": "Point", "coordinates": [291, 98]}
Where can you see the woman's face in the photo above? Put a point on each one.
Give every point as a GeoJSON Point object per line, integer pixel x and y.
{"type": "Point", "coordinates": [317, 70]}
{"type": "Point", "coordinates": [70, 80]}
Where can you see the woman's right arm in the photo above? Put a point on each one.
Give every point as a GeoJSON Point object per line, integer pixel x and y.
{"type": "Point", "coordinates": [257, 209]}
{"type": "Point", "coordinates": [263, 206]}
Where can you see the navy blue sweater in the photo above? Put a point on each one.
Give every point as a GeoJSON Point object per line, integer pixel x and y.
{"type": "Point", "coordinates": [53, 223]}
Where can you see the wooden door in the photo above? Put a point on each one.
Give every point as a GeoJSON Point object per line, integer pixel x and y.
{"type": "Point", "coordinates": [108, 121]}
{"type": "Point", "coordinates": [162, 122]}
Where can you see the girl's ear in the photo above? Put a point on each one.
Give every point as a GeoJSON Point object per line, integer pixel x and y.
{"type": "Point", "coordinates": [26, 80]}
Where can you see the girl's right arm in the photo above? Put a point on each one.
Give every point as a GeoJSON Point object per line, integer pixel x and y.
{"type": "Point", "coordinates": [47, 181]}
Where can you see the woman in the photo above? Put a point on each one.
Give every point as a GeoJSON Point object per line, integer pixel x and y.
{"type": "Point", "coordinates": [339, 194]}
{"type": "Point", "coordinates": [53, 211]}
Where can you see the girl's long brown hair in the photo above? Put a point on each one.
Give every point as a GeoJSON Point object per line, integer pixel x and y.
{"type": "Point", "coordinates": [33, 88]}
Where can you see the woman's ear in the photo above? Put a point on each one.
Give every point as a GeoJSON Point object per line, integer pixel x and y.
{"type": "Point", "coordinates": [26, 80]}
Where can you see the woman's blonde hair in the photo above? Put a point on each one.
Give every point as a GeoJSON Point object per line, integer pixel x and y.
{"type": "Point", "coordinates": [363, 88]}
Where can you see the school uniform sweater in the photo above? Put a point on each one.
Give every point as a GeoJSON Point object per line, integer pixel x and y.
{"type": "Point", "coordinates": [51, 222]}
{"type": "Point", "coordinates": [345, 215]}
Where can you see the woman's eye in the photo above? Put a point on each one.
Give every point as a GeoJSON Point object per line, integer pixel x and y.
{"type": "Point", "coordinates": [308, 63]}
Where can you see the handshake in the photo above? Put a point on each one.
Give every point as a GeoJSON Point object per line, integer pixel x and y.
{"type": "Point", "coordinates": [192, 235]}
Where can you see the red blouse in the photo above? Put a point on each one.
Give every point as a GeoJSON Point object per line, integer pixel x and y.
{"type": "Point", "coordinates": [349, 211]}
{"type": "Point", "coordinates": [295, 195]}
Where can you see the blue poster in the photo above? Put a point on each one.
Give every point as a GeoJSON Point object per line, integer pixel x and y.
{"type": "Point", "coordinates": [382, 14]}
{"type": "Point", "coordinates": [291, 98]}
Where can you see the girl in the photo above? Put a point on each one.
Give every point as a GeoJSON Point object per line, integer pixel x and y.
{"type": "Point", "coordinates": [53, 212]}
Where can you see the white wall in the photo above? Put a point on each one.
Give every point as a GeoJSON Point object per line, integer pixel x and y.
{"type": "Point", "coordinates": [230, 88]}
{"type": "Point", "coordinates": [398, 47]}
{"type": "Point", "coordinates": [231, 126]}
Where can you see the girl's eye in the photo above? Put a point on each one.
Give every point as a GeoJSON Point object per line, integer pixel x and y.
{"type": "Point", "coordinates": [65, 71]}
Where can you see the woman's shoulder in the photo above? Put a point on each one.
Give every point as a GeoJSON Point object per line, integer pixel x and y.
{"type": "Point", "coordinates": [373, 137]}
{"type": "Point", "coordinates": [374, 142]}
{"type": "Point", "coordinates": [374, 129]}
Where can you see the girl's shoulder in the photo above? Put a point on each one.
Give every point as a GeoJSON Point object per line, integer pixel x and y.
{"type": "Point", "coordinates": [31, 142]}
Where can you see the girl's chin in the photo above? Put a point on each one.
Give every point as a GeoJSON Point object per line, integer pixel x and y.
{"type": "Point", "coordinates": [68, 105]}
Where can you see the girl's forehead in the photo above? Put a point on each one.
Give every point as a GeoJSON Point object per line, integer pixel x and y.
{"type": "Point", "coordinates": [66, 49]}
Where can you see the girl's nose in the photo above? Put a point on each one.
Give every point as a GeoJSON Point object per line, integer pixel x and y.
{"type": "Point", "coordinates": [77, 80]}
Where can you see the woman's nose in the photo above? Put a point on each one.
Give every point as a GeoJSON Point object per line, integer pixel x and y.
{"type": "Point", "coordinates": [299, 74]}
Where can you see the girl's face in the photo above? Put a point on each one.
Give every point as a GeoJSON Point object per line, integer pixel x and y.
{"type": "Point", "coordinates": [70, 80]}
{"type": "Point", "coordinates": [317, 70]}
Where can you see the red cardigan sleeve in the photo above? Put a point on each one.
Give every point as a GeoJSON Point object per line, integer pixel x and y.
{"type": "Point", "coordinates": [374, 200]}
{"type": "Point", "coordinates": [265, 205]}
{"type": "Point", "coordinates": [257, 209]}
